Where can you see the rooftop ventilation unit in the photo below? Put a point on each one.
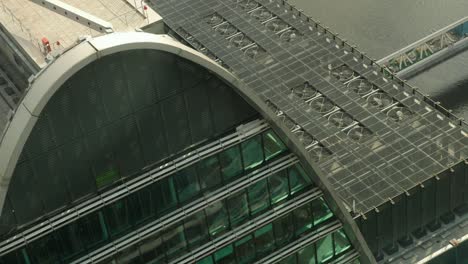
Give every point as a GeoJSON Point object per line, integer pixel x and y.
{"type": "Point", "coordinates": [343, 73]}
{"type": "Point", "coordinates": [322, 105]}
{"type": "Point", "coordinates": [319, 153]}
{"type": "Point", "coordinates": [305, 91]}
{"type": "Point", "coordinates": [248, 4]}
{"type": "Point", "coordinates": [215, 19]}
{"type": "Point", "coordinates": [276, 25]}
{"type": "Point", "coordinates": [341, 119]}
{"type": "Point", "coordinates": [380, 100]}
{"type": "Point", "coordinates": [361, 86]}
{"type": "Point", "coordinates": [399, 113]}
{"type": "Point", "coordinates": [359, 133]}
{"type": "Point", "coordinates": [240, 40]}
{"type": "Point", "coordinates": [261, 14]}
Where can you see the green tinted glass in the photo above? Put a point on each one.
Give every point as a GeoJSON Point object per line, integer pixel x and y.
{"type": "Point", "coordinates": [245, 250]}
{"type": "Point", "coordinates": [238, 208]}
{"type": "Point", "coordinates": [303, 219]}
{"type": "Point", "coordinates": [298, 179]}
{"type": "Point", "coordinates": [272, 145]}
{"type": "Point", "coordinates": [307, 255]}
{"type": "Point", "coordinates": [187, 185]}
{"type": "Point", "coordinates": [321, 211]}
{"type": "Point", "coordinates": [279, 187]}
{"type": "Point", "coordinates": [259, 199]}
{"type": "Point", "coordinates": [231, 163]}
{"type": "Point", "coordinates": [324, 249]}
{"type": "Point", "coordinates": [252, 152]}
{"type": "Point", "coordinates": [217, 219]}
{"type": "Point", "coordinates": [341, 241]}
{"type": "Point", "coordinates": [196, 229]}
{"type": "Point", "coordinates": [209, 172]}
{"type": "Point", "coordinates": [264, 240]}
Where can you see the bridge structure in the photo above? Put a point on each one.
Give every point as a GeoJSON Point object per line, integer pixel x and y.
{"type": "Point", "coordinates": [140, 136]}
{"type": "Point", "coordinates": [428, 51]}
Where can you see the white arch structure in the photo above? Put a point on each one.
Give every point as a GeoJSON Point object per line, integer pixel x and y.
{"type": "Point", "coordinates": [52, 77]}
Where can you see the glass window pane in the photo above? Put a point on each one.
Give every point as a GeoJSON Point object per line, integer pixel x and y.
{"type": "Point", "coordinates": [245, 250]}
{"type": "Point", "coordinates": [92, 230]}
{"type": "Point", "coordinates": [341, 241]}
{"type": "Point", "coordinates": [279, 187]}
{"type": "Point", "coordinates": [231, 163]}
{"type": "Point", "coordinates": [272, 144]}
{"type": "Point", "coordinates": [196, 229]}
{"type": "Point", "coordinates": [174, 239]}
{"type": "Point", "coordinates": [303, 218]}
{"type": "Point", "coordinates": [129, 256]}
{"type": "Point", "coordinates": [225, 255]}
{"type": "Point", "coordinates": [117, 217]}
{"type": "Point", "coordinates": [264, 240]}
{"type": "Point", "coordinates": [298, 179]}
{"type": "Point", "coordinates": [142, 204]}
{"type": "Point", "coordinates": [290, 260]}
{"type": "Point", "coordinates": [324, 249]}
{"type": "Point", "coordinates": [70, 239]}
{"type": "Point", "coordinates": [259, 199]}
{"type": "Point", "coordinates": [187, 184]}
{"type": "Point", "coordinates": [207, 260]}
{"type": "Point", "coordinates": [284, 230]}
{"type": "Point", "coordinates": [307, 255]}
{"type": "Point", "coordinates": [321, 211]}
{"type": "Point", "coordinates": [209, 171]}
{"type": "Point", "coordinates": [252, 152]}
{"type": "Point", "coordinates": [153, 249]}
{"type": "Point", "coordinates": [217, 218]}
{"type": "Point", "coordinates": [44, 250]}
{"type": "Point", "coordinates": [166, 197]}
{"type": "Point", "coordinates": [238, 209]}
{"type": "Point", "coordinates": [15, 257]}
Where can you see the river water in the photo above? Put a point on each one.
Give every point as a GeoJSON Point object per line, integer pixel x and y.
{"type": "Point", "coordinates": [380, 27]}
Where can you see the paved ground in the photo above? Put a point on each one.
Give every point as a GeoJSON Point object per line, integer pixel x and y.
{"type": "Point", "coordinates": [30, 22]}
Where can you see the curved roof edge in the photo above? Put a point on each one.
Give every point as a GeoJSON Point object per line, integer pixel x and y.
{"type": "Point", "coordinates": [48, 81]}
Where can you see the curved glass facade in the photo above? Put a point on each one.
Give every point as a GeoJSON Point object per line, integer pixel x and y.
{"type": "Point", "coordinates": [121, 113]}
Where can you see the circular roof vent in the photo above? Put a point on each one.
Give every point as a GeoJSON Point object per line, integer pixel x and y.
{"type": "Point", "coordinates": [304, 91]}
{"type": "Point", "coordinates": [276, 25]}
{"type": "Point", "coordinates": [262, 14]}
{"type": "Point", "coordinates": [359, 133]}
{"type": "Point", "coordinates": [399, 113]}
{"type": "Point", "coordinates": [360, 86]}
{"type": "Point", "coordinates": [343, 73]}
{"type": "Point", "coordinates": [322, 105]}
{"type": "Point", "coordinates": [215, 19]}
{"type": "Point", "coordinates": [305, 138]}
{"type": "Point", "coordinates": [341, 119]}
{"type": "Point", "coordinates": [240, 40]}
{"type": "Point", "coordinates": [248, 4]}
{"type": "Point", "coordinates": [380, 100]}
{"type": "Point", "coordinates": [226, 29]}
{"type": "Point", "coordinates": [319, 153]}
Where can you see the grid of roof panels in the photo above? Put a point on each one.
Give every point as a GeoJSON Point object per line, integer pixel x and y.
{"type": "Point", "coordinates": [403, 140]}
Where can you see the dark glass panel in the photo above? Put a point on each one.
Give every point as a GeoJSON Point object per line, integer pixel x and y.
{"type": "Point", "coordinates": [284, 229]}
{"type": "Point", "coordinates": [341, 241]}
{"type": "Point", "coordinates": [238, 208]}
{"type": "Point", "coordinates": [231, 163]}
{"type": "Point", "coordinates": [166, 196]}
{"type": "Point", "coordinates": [196, 229]}
{"type": "Point", "coordinates": [15, 257]}
{"type": "Point", "coordinates": [303, 219]}
{"type": "Point", "coordinates": [153, 249]}
{"type": "Point", "coordinates": [225, 255]}
{"type": "Point", "coordinates": [209, 171]}
{"type": "Point", "coordinates": [252, 152]}
{"type": "Point", "coordinates": [69, 238]}
{"type": "Point", "coordinates": [92, 230]}
{"type": "Point", "coordinates": [117, 217]}
{"type": "Point", "coordinates": [245, 250]}
{"type": "Point", "coordinates": [45, 250]}
{"type": "Point", "coordinates": [298, 179]}
{"type": "Point", "coordinates": [129, 256]}
{"type": "Point", "coordinates": [187, 185]}
{"type": "Point", "coordinates": [279, 187]}
{"type": "Point", "coordinates": [259, 199]}
{"type": "Point", "coordinates": [307, 255]}
{"type": "Point", "coordinates": [174, 239]}
{"type": "Point", "coordinates": [264, 240]}
{"type": "Point", "coordinates": [272, 145]}
{"type": "Point", "coordinates": [290, 260]}
{"type": "Point", "coordinates": [207, 260]}
{"type": "Point", "coordinates": [217, 218]}
{"type": "Point", "coordinates": [321, 211]}
{"type": "Point", "coordinates": [324, 249]}
{"type": "Point", "coordinates": [143, 204]}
